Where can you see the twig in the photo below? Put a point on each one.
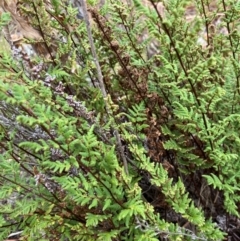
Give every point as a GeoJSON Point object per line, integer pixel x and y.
{"type": "Point", "coordinates": [82, 4]}
{"type": "Point", "coordinates": [93, 49]}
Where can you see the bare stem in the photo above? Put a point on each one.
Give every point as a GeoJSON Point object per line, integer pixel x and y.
{"type": "Point", "coordinates": [100, 78]}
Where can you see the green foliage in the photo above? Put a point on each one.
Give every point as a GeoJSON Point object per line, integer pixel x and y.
{"type": "Point", "coordinates": [4, 20]}
{"type": "Point", "coordinates": [102, 138]}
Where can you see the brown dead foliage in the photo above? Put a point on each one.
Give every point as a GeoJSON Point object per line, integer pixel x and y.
{"type": "Point", "coordinates": [20, 28]}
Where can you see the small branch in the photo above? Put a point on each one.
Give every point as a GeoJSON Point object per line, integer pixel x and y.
{"type": "Point", "coordinates": [93, 49]}
{"type": "Point", "coordinates": [206, 22]}
{"type": "Point", "coordinates": [121, 151]}
{"type": "Point", "coordinates": [100, 77]}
